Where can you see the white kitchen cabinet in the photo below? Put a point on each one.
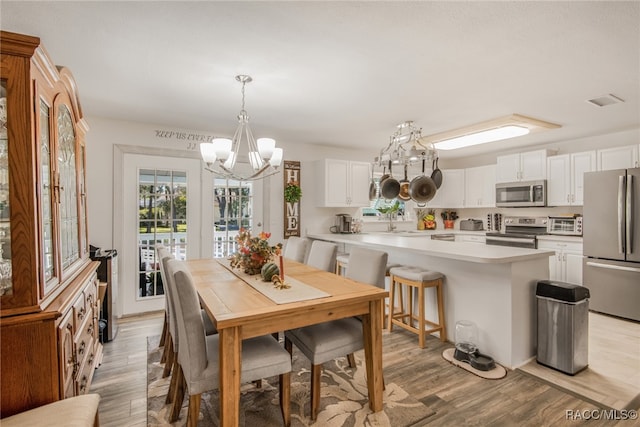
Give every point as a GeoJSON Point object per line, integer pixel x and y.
{"type": "Point", "coordinates": [342, 183]}
{"type": "Point", "coordinates": [451, 192]}
{"type": "Point", "coordinates": [480, 187]}
{"type": "Point", "coordinates": [618, 157]}
{"type": "Point", "coordinates": [565, 178]}
{"type": "Point", "coordinates": [528, 166]}
{"type": "Point", "coordinates": [566, 264]}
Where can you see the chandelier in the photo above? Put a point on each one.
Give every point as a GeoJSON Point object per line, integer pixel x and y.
{"type": "Point", "coordinates": [230, 158]}
{"type": "Point", "coordinates": [406, 146]}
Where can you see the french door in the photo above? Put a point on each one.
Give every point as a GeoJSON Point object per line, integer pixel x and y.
{"type": "Point", "coordinates": [161, 204]}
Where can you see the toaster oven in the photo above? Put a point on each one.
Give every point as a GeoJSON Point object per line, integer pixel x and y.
{"type": "Point", "coordinates": [565, 225]}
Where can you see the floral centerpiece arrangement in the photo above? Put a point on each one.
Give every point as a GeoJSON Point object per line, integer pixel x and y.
{"type": "Point", "coordinates": [253, 252]}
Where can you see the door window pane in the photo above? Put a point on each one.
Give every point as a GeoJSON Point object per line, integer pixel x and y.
{"type": "Point", "coordinates": [233, 209]}
{"type": "Point", "coordinates": [162, 213]}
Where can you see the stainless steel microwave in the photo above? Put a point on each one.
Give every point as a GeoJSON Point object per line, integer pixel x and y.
{"type": "Point", "coordinates": [521, 194]}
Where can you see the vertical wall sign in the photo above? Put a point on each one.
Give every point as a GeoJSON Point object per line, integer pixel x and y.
{"type": "Point", "coordinates": [292, 195]}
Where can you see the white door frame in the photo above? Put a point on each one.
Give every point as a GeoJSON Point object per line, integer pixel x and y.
{"type": "Point", "coordinates": [200, 189]}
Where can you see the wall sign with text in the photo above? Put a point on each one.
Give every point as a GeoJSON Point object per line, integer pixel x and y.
{"type": "Point", "coordinates": [292, 195]}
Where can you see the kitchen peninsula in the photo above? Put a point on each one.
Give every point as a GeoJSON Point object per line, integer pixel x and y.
{"type": "Point", "coordinates": [493, 286]}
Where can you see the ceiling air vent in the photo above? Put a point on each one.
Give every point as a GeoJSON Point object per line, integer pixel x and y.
{"type": "Point", "coordinates": [605, 100]}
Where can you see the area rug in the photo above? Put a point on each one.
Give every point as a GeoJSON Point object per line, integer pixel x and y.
{"type": "Point", "coordinates": [343, 401]}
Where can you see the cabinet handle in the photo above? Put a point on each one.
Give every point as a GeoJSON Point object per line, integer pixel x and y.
{"type": "Point", "coordinates": [81, 313]}
{"type": "Point", "coordinates": [83, 383]}
{"type": "Point", "coordinates": [91, 357]}
{"type": "Point", "coordinates": [568, 198]}
{"type": "Point", "coordinates": [82, 347]}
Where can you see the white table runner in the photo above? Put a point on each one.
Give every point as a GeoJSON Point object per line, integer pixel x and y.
{"type": "Point", "coordinates": [297, 292]}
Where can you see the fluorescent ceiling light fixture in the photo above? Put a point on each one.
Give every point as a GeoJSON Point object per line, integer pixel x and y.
{"type": "Point", "coordinates": [490, 131]}
{"type": "Point", "coordinates": [482, 137]}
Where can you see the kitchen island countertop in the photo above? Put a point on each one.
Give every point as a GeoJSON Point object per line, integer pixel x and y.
{"type": "Point", "coordinates": [462, 251]}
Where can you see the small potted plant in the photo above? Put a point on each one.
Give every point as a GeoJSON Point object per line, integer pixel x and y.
{"type": "Point", "coordinates": [448, 217]}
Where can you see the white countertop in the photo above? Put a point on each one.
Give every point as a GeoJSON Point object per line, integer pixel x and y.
{"type": "Point", "coordinates": [421, 242]}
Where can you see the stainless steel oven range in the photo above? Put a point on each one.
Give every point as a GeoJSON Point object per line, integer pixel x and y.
{"type": "Point", "coordinates": [519, 231]}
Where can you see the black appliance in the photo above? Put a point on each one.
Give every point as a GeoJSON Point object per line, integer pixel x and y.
{"type": "Point", "coordinates": [107, 274]}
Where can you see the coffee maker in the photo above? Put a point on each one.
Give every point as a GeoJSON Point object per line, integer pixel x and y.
{"type": "Point", "coordinates": [343, 224]}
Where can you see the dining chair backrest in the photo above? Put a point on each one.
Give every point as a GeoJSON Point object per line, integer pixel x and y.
{"type": "Point", "coordinates": [322, 255]}
{"type": "Point", "coordinates": [296, 248]}
{"type": "Point", "coordinates": [367, 266]}
{"type": "Point", "coordinates": [164, 256]}
{"type": "Point", "coordinates": [192, 353]}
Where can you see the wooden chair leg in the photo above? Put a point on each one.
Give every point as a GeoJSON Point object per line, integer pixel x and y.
{"type": "Point", "coordinates": [174, 382]}
{"type": "Point", "coordinates": [258, 383]}
{"type": "Point", "coordinates": [285, 398]}
{"type": "Point", "coordinates": [178, 395]}
{"type": "Point", "coordinates": [165, 349]}
{"type": "Point", "coordinates": [96, 422]}
{"type": "Point", "coordinates": [443, 332]}
{"type": "Point", "coordinates": [194, 410]}
{"type": "Point", "coordinates": [352, 360]}
{"type": "Point", "coordinates": [169, 363]}
{"type": "Point", "coordinates": [288, 345]}
{"type": "Point", "coordinates": [392, 302]}
{"type": "Point", "coordinates": [421, 316]}
{"type": "Point", "coordinates": [316, 370]}
{"type": "Point", "coordinates": [165, 329]}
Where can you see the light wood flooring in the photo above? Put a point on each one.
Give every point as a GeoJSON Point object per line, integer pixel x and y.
{"type": "Point", "coordinates": [457, 397]}
{"type": "Point", "coordinates": [612, 378]}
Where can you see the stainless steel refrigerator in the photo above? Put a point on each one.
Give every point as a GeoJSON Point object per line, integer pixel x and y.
{"type": "Point", "coordinates": [611, 267]}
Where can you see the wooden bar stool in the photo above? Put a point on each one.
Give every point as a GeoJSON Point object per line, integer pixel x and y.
{"type": "Point", "coordinates": [415, 278]}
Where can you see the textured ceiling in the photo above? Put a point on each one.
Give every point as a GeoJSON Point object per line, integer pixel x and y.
{"type": "Point", "coordinates": [346, 73]}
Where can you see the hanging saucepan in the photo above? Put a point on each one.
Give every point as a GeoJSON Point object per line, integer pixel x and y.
{"type": "Point", "coordinates": [404, 187]}
{"type": "Point", "coordinates": [436, 175]}
{"type": "Point", "coordinates": [422, 188]}
{"type": "Point", "coordinates": [389, 186]}
{"type": "Point", "coordinates": [373, 191]}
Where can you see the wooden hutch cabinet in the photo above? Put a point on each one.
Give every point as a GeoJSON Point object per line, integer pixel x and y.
{"type": "Point", "coordinates": [48, 284]}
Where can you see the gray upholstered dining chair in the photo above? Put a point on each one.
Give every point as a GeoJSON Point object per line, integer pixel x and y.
{"type": "Point", "coordinates": [198, 354]}
{"type": "Point", "coordinates": [296, 248]}
{"type": "Point", "coordinates": [171, 342]}
{"type": "Point", "coordinates": [326, 341]}
{"type": "Point", "coordinates": [322, 255]}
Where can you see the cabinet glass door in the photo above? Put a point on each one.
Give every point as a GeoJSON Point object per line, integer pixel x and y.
{"type": "Point", "coordinates": [46, 186]}
{"type": "Point", "coordinates": [6, 279]}
{"type": "Point", "coordinates": [69, 244]}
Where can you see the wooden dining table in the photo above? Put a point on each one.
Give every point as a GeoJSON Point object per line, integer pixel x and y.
{"type": "Point", "coordinates": [239, 312]}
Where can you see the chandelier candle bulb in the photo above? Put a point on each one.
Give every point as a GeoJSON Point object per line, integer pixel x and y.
{"type": "Point", "coordinates": [276, 158]}
{"type": "Point", "coordinates": [266, 147]}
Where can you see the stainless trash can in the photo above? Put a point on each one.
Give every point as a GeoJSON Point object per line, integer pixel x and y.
{"type": "Point", "coordinates": [563, 325]}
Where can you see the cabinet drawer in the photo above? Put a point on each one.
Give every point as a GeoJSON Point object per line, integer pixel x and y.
{"type": "Point", "coordinates": [91, 293]}
{"type": "Point", "coordinates": [85, 374]}
{"type": "Point", "coordinates": [84, 338]}
{"type": "Point", "coordinates": [79, 311]}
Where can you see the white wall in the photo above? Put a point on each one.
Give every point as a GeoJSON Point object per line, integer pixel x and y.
{"type": "Point", "coordinates": [104, 134]}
